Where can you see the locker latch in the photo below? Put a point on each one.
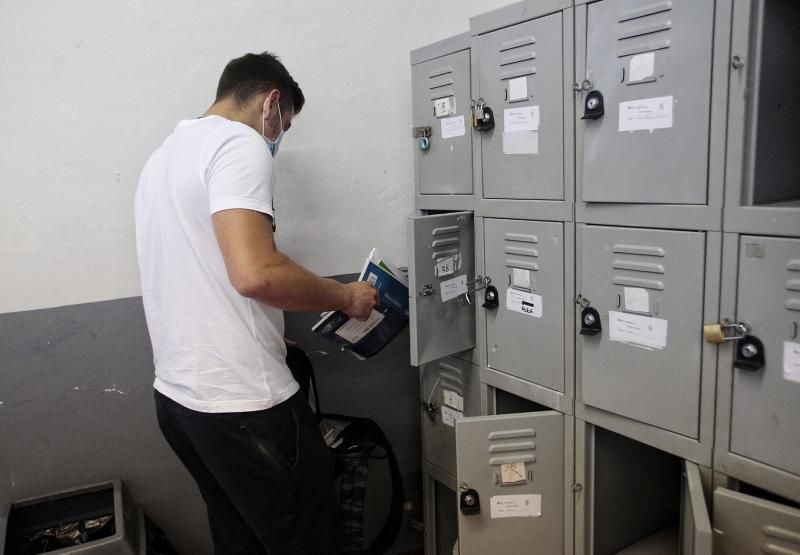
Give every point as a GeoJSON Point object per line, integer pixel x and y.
{"type": "Point", "coordinates": [482, 116]}
{"type": "Point", "coordinates": [491, 298]}
{"type": "Point", "coordinates": [427, 290]}
{"type": "Point", "coordinates": [725, 331]}
{"type": "Point", "coordinates": [431, 409]}
{"type": "Point", "coordinates": [469, 502]}
{"type": "Point", "coordinates": [423, 136]}
{"type": "Point", "coordinates": [590, 318]}
{"type": "Point", "coordinates": [749, 353]}
{"type": "Point", "coordinates": [593, 106]}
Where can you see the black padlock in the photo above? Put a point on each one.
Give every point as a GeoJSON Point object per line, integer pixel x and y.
{"type": "Point", "coordinates": [749, 353]}
{"type": "Point", "coordinates": [469, 502]}
{"type": "Point", "coordinates": [485, 119]}
{"type": "Point", "coordinates": [594, 107]}
{"type": "Point", "coordinates": [590, 322]}
{"type": "Point", "coordinates": [491, 298]}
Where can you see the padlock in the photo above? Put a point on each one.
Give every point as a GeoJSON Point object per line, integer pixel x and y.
{"type": "Point", "coordinates": [749, 353]}
{"type": "Point", "coordinates": [724, 331]}
{"type": "Point", "coordinates": [590, 321]}
{"type": "Point", "coordinates": [469, 502]}
{"type": "Point", "coordinates": [712, 333]}
{"type": "Point", "coordinates": [594, 107]}
{"type": "Point", "coordinates": [486, 121]}
{"type": "Point", "coordinates": [491, 298]}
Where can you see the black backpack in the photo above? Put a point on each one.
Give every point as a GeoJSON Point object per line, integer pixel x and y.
{"type": "Point", "coordinates": [355, 441]}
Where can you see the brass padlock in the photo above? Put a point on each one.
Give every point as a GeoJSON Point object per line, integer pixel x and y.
{"type": "Point", "coordinates": [713, 333]}
{"type": "Point", "coordinates": [724, 331]}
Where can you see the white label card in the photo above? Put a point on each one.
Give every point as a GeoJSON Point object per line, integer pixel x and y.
{"type": "Point", "coordinates": [517, 89]}
{"type": "Point", "coordinates": [524, 118]}
{"type": "Point", "coordinates": [524, 303]}
{"type": "Point", "coordinates": [442, 107]}
{"type": "Point", "coordinates": [791, 361]}
{"type": "Point", "coordinates": [521, 278]}
{"type": "Point", "coordinates": [642, 66]}
{"type": "Point", "coordinates": [449, 416]}
{"type": "Point", "coordinates": [453, 127]}
{"type": "Point", "coordinates": [354, 330]}
{"type": "Point", "coordinates": [637, 299]}
{"type": "Point", "coordinates": [452, 399]}
{"type": "Point", "coordinates": [640, 331]}
{"type": "Point", "coordinates": [452, 288]}
{"type": "Point", "coordinates": [512, 473]}
{"type": "Point", "coordinates": [521, 142]}
{"type": "Point", "coordinates": [509, 506]}
{"type": "Point", "coordinates": [646, 114]}
{"type": "Point", "coordinates": [446, 267]}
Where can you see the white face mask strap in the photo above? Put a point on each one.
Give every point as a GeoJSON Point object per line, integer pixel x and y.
{"type": "Point", "coordinates": [264, 120]}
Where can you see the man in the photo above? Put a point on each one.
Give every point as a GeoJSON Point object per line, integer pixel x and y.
{"type": "Point", "coordinates": [214, 286]}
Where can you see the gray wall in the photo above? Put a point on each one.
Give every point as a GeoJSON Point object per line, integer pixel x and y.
{"type": "Point", "coordinates": [76, 407]}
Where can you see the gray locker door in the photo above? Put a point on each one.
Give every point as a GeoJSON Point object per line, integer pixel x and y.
{"type": "Point", "coordinates": [441, 100]}
{"type": "Point", "coordinates": [744, 524]}
{"type": "Point", "coordinates": [525, 260]}
{"type": "Point", "coordinates": [451, 388]}
{"type": "Point", "coordinates": [695, 531]}
{"type": "Point", "coordinates": [438, 327]}
{"type": "Point", "coordinates": [647, 286]}
{"type": "Point", "coordinates": [521, 79]}
{"type": "Point", "coordinates": [651, 61]}
{"type": "Point", "coordinates": [764, 409]}
{"type": "Point", "coordinates": [516, 465]}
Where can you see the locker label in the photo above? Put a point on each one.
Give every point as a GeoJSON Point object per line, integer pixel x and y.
{"type": "Point", "coordinates": [524, 118]}
{"type": "Point", "coordinates": [453, 127]}
{"type": "Point", "coordinates": [639, 331]}
{"type": "Point", "coordinates": [354, 330]}
{"type": "Point", "coordinates": [443, 107]}
{"type": "Point", "coordinates": [509, 506]}
{"type": "Point", "coordinates": [637, 299]}
{"type": "Point", "coordinates": [524, 303]}
{"type": "Point", "coordinates": [452, 399]}
{"type": "Point", "coordinates": [646, 114]}
{"type": "Point", "coordinates": [642, 66]}
{"type": "Point", "coordinates": [517, 89]}
{"type": "Point", "coordinates": [512, 473]}
{"type": "Point", "coordinates": [521, 278]}
{"type": "Point", "coordinates": [521, 142]}
{"type": "Point", "coordinates": [446, 267]}
{"type": "Point", "coordinates": [791, 361]}
{"type": "Point", "coordinates": [452, 288]}
{"type": "Point", "coordinates": [449, 416]}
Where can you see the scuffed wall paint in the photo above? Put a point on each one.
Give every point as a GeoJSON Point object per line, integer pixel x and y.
{"type": "Point", "coordinates": [90, 91]}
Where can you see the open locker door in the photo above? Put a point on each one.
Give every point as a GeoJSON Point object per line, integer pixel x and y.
{"type": "Point", "coordinates": [441, 283]}
{"type": "Point", "coordinates": [510, 475]}
{"type": "Point", "coordinates": [696, 534]}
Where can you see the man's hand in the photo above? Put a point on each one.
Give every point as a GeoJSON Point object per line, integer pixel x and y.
{"type": "Point", "coordinates": [363, 297]}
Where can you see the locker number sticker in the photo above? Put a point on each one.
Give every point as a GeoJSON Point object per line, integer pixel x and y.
{"type": "Point", "coordinates": [443, 107]}
{"type": "Point", "coordinates": [452, 399]}
{"type": "Point", "coordinates": [524, 303]}
{"type": "Point", "coordinates": [446, 267]}
{"type": "Point", "coordinates": [791, 361]}
{"type": "Point", "coordinates": [512, 473]}
{"type": "Point", "coordinates": [509, 506]}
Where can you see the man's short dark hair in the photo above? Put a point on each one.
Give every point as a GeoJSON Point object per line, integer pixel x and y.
{"type": "Point", "coordinates": [252, 74]}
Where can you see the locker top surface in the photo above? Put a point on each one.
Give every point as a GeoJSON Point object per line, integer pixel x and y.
{"type": "Point", "coordinates": [515, 13]}
{"type": "Point", "coordinates": [440, 48]}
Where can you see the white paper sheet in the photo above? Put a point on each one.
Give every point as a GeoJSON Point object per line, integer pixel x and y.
{"type": "Point", "coordinates": [509, 506]}
{"type": "Point", "coordinates": [640, 331]}
{"type": "Point", "coordinates": [452, 288]}
{"type": "Point", "coordinates": [637, 299]}
{"type": "Point", "coordinates": [791, 361]}
{"type": "Point", "coordinates": [443, 107]}
{"type": "Point", "coordinates": [642, 66]}
{"type": "Point", "coordinates": [521, 142]}
{"type": "Point", "coordinates": [521, 278]}
{"type": "Point", "coordinates": [354, 330]}
{"type": "Point", "coordinates": [522, 118]}
{"type": "Point", "coordinates": [452, 399]}
{"type": "Point", "coordinates": [517, 89]}
{"type": "Point", "coordinates": [453, 127]}
{"type": "Point", "coordinates": [646, 114]}
{"type": "Point", "coordinates": [449, 416]}
{"type": "Point", "coordinates": [524, 303]}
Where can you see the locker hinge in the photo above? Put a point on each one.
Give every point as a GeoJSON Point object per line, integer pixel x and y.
{"type": "Point", "coordinates": [577, 488]}
{"type": "Point", "coordinates": [582, 87]}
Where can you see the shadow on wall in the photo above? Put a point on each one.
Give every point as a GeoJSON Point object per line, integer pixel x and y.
{"type": "Point", "coordinates": [76, 407]}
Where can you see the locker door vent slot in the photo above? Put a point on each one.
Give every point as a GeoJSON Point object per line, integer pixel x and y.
{"type": "Point", "coordinates": [644, 28]}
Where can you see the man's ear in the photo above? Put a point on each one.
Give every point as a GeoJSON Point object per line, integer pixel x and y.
{"type": "Point", "coordinates": [273, 97]}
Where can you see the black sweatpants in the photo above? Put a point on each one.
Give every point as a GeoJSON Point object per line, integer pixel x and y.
{"type": "Point", "coordinates": [267, 477]}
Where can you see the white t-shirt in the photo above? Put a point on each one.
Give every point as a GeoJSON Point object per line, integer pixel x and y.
{"type": "Point", "coordinates": [214, 350]}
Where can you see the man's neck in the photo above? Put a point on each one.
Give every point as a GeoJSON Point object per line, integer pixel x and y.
{"type": "Point", "coordinates": [229, 110]}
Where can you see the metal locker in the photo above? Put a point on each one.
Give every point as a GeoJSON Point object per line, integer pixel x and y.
{"type": "Point", "coordinates": [766, 386]}
{"type": "Point", "coordinates": [744, 524]}
{"type": "Point", "coordinates": [521, 79]}
{"type": "Point", "coordinates": [642, 292]}
{"type": "Point", "coordinates": [695, 528]}
{"type": "Point", "coordinates": [645, 114]}
{"type": "Point", "coordinates": [441, 281]}
{"type": "Point", "coordinates": [441, 105]}
{"type": "Point", "coordinates": [450, 390]}
{"type": "Point", "coordinates": [511, 483]}
{"type": "Point", "coordinates": [525, 332]}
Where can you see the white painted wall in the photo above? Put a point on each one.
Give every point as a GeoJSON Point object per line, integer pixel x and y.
{"type": "Point", "coordinates": [89, 88]}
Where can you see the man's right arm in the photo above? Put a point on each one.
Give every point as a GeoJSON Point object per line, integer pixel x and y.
{"type": "Point", "coordinates": [259, 271]}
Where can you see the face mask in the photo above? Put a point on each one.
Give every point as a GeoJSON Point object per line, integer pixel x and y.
{"type": "Point", "coordinates": [272, 145]}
